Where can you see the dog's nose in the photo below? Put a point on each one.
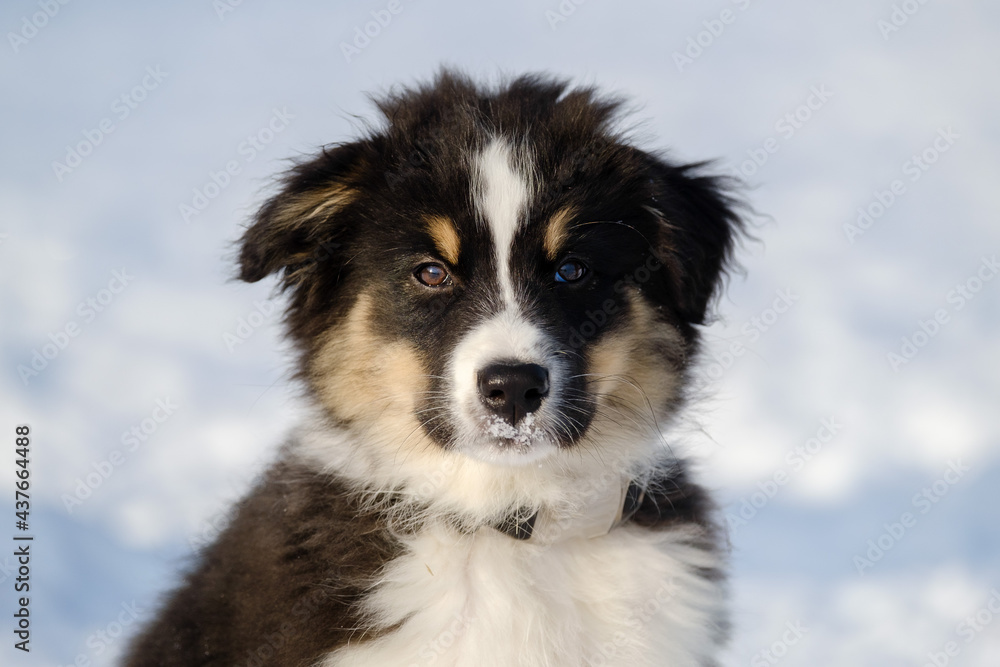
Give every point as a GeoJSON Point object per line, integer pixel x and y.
{"type": "Point", "coordinates": [513, 390]}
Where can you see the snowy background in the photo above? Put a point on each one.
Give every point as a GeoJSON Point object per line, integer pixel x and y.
{"type": "Point", "coordinates": [861, 489]}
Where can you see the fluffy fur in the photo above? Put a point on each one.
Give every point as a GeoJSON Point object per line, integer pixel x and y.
{"type": "Point", "coordinates": [495, 299]}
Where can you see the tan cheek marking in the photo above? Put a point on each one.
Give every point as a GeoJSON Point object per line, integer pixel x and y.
{"type": "Point", "coordinates": [557, 231]}
{"type": "Point", "coordinates": [362, 377]}
{"type": "Point", "coordinates": [445, 237]}
{"type": "Point", "coordinates": [641, 361]}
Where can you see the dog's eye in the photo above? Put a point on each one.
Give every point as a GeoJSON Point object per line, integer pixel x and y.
{"type": "Point", "coordinates": [432, 275]}
{"type": "Point", "coordinates": [571, 271]}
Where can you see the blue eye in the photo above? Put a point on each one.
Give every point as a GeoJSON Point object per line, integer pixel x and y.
{"type": "Point", "coordinates": [571, 271]}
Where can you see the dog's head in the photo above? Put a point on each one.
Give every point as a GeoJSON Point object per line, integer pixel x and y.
{"type": "Point", "coordinates": [496, 272]}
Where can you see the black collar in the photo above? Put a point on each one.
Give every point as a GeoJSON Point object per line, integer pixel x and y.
{"type": "Point", "coordinates": [617, 509]}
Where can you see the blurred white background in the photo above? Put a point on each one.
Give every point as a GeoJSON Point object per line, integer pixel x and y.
{"type": "Point", "coordinates": [867, 133]}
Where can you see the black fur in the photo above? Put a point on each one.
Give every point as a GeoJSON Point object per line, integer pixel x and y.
{"type": "Point", "coordinates": [417, 164]}
{"type": "Point", "coordinates": [281, 585]}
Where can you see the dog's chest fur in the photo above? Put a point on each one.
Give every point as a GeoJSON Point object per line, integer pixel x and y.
{"type": "Point", "coordinates": [633, 597]}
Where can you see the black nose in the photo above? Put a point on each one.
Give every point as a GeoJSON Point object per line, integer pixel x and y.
{"type": "Point", "coordinates": [513, 390]}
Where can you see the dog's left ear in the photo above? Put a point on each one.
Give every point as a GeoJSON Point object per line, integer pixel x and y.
{"type": "Point", "coordinates": [699, 226]}
{"type": "Point", "coordinates": [300, 225]}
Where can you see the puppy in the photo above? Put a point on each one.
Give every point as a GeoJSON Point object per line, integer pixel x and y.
{"type": "Point", "coordinates": [495, 298]}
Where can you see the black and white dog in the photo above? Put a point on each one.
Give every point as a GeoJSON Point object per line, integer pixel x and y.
{"type": "Point", "coordinates": [494, 296]}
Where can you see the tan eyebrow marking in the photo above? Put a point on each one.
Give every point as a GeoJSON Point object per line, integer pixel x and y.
{"type": "Point", "coordinates": [335, 196]}
{"type": "Point", "coordinates": [445, 237]}
{"type": "Point", "coordinates": [558, 231]}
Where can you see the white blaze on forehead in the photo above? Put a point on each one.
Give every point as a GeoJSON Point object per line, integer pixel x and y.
{"type": "Point", "coordinates": [501, 197]}
{"type": "Point", "coordinates": [501, 191]}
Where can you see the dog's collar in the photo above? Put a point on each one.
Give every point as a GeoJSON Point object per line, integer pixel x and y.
{"type": "Point", "coordinates": [613, 507]}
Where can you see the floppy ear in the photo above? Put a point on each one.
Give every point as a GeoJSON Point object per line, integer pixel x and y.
{"type": "Point", "coordinates": [297, 227]}
{"type": "Point", "coordinates": [699, 226]}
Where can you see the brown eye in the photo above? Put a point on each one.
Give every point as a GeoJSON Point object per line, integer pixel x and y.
{"type": "Point", "coordinates": [570, 271]}
{"type": "Point", "coordinates": [432, 275]}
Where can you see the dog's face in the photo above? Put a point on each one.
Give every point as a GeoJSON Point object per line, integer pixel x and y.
{"type": "Point", "coordinates": [494, 272]}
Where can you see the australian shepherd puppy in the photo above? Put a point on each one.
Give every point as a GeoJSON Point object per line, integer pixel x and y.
{"type": "Point", "coordinates": [495, 298]}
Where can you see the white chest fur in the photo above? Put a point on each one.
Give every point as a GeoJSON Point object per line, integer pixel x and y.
{"type": "Point", "coordinates": [632, 597]}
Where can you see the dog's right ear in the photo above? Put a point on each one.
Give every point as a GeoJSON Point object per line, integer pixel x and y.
{"type": "Point", "coordinates": [298, 226]}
